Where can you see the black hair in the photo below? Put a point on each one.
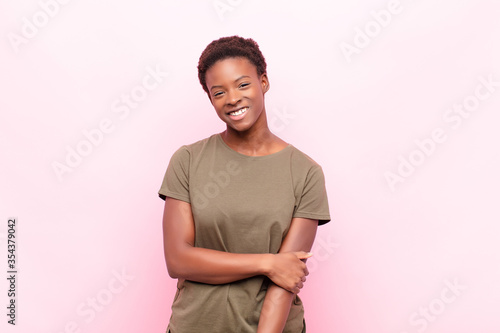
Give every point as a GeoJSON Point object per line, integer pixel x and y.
{"type": "Point", "coordinates": [230, 47]}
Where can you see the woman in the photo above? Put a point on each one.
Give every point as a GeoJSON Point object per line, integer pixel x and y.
{"type": "Point", "coordinates": [241, 208]}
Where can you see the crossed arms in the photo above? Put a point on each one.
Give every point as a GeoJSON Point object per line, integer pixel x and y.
{"type": "Point", "coordinates": [286, 270]}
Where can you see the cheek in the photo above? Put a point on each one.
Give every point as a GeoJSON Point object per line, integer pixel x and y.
{"type": "Point", "coordinates": [217, 104]}
{"type": "Point", "coordinates": [257, 99]}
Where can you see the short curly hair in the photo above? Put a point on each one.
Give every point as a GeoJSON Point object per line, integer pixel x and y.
{"type": "Point", "coordinates": [230, 47]}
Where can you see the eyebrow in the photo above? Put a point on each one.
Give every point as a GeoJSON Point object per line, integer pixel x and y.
{"type": "Point", "coordinates": [241, 77]}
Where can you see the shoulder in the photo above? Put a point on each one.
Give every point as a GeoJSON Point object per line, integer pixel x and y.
{"type": "Point", "coordinates": [302, 160]}
{"type": "Point", "coordinates": [305, 169]}
{"type": "Point", "coordinates": [195, 147]}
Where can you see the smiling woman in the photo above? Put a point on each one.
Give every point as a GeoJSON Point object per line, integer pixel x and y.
{"type": "Point", "coordinates": [241, 208]}
{"type": "Point", "coordinates": [237, 94]}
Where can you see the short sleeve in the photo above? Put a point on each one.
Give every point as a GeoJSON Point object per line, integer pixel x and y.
{"type": "Point", "coordinates": [176, 181]}
{"type": "Point", "coordinates": [313, 203]}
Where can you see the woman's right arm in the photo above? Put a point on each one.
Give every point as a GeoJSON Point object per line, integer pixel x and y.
{"type": "Point", "coordinates": [186, 261]}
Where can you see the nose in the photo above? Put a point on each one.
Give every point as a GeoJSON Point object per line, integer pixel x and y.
{"type": "Point", "coordinates": [233, 97]}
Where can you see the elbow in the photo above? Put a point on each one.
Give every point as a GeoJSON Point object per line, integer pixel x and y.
{"type": "Point", "coordinates": [174, 268]}
{"type": "Point", "coordinates": [171, 268]}
{"type": "Point", "coordinates": [178, 262]}
{"type": "Point", "coordinates": [172, 273]}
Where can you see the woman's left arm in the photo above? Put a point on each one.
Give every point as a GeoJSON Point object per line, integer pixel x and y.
{"type": "Point", "coordinates": [300, 237]}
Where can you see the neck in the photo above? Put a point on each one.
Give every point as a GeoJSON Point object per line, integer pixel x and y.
{"type": "Point", "coordinates": [251, 139]}
{"type": "Point", "coordinates": [258, 140]}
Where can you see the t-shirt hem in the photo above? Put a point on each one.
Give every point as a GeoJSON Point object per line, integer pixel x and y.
{"type": "Point", "coordinates": [322, 219]}
{"type": "Point", "coordinates": [165, 194]}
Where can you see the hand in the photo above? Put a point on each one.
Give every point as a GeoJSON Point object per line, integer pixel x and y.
{"type": "Point", "coordinates": [288, 271]}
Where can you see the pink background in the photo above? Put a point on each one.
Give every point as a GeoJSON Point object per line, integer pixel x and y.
{"type": "Point", "coordinates": [420, 255]}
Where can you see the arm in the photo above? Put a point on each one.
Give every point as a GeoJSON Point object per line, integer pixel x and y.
{"type": "Point", "coordinates": [277, 303]}
{"type": "Point", "coordinates": [186, 261]}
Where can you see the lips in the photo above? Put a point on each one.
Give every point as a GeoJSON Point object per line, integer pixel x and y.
{"type": "Point", "coordinates": [238, 114]}
{"type": "Point", "coordinates": [238, 111]}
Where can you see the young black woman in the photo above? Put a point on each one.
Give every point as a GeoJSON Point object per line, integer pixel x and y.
{"type": "Point", "coordinates": [241, 209]}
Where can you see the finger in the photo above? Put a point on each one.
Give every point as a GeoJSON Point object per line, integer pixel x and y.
{"type": "Point", "coordinates": [304, 279]}
{"type": "Point", "coordinates": [303, 255]}
{"type": "Point", "coordinates": [306, 271]}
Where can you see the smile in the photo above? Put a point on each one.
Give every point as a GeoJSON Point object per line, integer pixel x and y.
{"type": "Point", "coordinates": [238, 112]}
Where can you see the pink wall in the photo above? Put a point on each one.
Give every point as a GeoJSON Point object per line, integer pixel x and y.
{"type": "Point", "coordinates": [398, 101]}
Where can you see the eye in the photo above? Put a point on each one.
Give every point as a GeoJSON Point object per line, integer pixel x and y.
{"type": "Point", "coordinates": [243, 85]}
{"type": "Point", "coordinates": [218, 93]}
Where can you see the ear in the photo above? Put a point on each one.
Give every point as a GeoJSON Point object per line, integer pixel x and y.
{"type": "Point", "coordinates": [264, 82]}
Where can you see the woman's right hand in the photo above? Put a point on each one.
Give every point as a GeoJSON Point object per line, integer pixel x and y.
{"type": "Point", "coordinates": [288, 271]}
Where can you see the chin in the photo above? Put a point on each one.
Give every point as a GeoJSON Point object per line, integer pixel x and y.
{"type": "Point", "coordinates": [240, 128]}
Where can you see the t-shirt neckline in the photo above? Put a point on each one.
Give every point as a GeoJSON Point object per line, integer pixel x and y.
{"type": "Point", "coordinates": [218, 135]}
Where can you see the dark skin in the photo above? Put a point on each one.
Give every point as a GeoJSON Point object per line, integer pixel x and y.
{"type": "Point", "coordinates": [234, 84]}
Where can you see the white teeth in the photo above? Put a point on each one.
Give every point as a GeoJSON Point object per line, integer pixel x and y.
{"type": "Point", "coordinates": [237, 113]}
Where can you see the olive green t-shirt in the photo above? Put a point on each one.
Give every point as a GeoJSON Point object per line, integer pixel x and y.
{"type": "Point", "coordinates": [240, 204]}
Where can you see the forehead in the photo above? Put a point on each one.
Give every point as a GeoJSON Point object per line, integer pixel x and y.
{"type": "Point", "coordinates": [230, 69]}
